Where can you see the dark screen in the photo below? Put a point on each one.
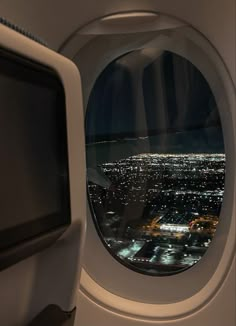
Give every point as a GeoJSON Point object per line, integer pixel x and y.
{"type": "Point", "coordinates": [34, 187]}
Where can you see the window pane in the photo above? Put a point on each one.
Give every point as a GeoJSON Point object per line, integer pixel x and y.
{"type": "Point", "coordinates": [155, 161]}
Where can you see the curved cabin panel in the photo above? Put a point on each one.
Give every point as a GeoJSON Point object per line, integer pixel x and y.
{"type": "Point", "coordinates": [158, 84]}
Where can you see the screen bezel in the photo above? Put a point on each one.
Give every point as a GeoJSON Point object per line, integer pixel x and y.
{"type": "Point", "coordinates": [27, 70]}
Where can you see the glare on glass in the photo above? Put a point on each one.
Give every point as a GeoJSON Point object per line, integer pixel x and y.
{"type": "Point", "coordinates": [155, 161]}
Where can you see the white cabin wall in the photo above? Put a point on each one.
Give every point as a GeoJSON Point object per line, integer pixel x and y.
{"type": "Point", "coordinates": [56, 20]}
{"type": "Point", "coordinates": [219, 311]}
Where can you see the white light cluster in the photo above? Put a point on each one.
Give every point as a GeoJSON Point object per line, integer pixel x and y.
{"type": "Point", "coordinates": [174, 228]}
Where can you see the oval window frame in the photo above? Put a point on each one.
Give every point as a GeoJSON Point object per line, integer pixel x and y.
{"type": "Point", "coordinates": [93, 213]}
{"type": "Point", "coordinates": [100, 286]}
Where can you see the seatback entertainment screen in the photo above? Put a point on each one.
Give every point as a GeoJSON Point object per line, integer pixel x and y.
{"type": "Point", "coordinates": [34, 181]}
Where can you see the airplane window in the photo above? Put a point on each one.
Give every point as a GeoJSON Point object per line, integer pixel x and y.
{"type": "Point", "coordinates": [155, 161]}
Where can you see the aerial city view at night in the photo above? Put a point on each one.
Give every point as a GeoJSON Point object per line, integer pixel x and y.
{"type": "Point", "coordinates": [159, 212]}
{"type": "Point", "coordinates": [155, 161]}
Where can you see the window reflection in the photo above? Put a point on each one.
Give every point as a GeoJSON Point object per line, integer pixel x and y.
{"type": "Point", "coordinates": [155, 161]}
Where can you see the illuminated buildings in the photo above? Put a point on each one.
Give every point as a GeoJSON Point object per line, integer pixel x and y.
{"type": "Point", "coordinates": [162, 209]}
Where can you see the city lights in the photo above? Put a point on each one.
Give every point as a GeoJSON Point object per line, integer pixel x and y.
{"type": "Point", "coordinates": [160, 211]}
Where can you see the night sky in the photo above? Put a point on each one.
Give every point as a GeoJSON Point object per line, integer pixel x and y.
{"type": "Point", "coordinates": [178, 110]}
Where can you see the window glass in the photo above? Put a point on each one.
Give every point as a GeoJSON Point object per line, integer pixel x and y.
{"type": "Point", "coordinates": [155, 161]}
